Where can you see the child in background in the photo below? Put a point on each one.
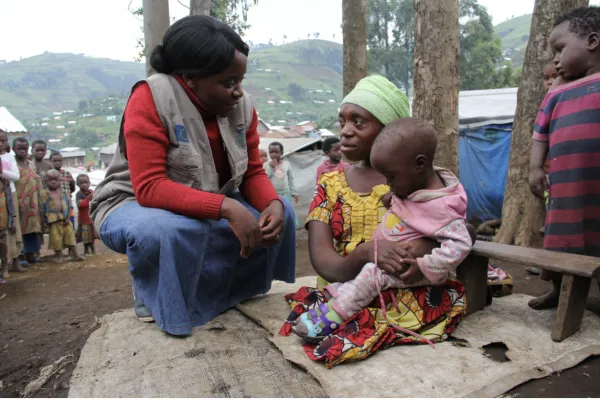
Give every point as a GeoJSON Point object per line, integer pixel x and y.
{"type": "Point", "coordinates": [10, 172]}
{"type": "Point", "coordinates": [31, 195]}
{"type": "Point", "coordinates": [6, 215]}
{"type": "Point", "coordinates": [56, 210]}
{"type": "Point", "coordinates": [85, 228]}
{"type": "Point", "coordinates": [264, 157]}
{"type": "Point", "coordinates": [333, 150]}
{"type": "Point", "coordinates": [67, 183]}
{"type": "Point", "coordinates": [280, 173]}
{"type": "Point", "coordinates": [427, 202]}
{"type": "Point", "coordinates": [39, 149]}
{"type": "Point", "coordinates": [566, 132]}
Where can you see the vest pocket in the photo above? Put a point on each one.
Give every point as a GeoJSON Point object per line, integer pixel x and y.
{"type": "Point", "coordinates": [181, 172]}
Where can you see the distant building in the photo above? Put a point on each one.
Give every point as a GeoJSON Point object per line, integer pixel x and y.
{"type": "Point", "coordinates": [73, 156]}
{"type": "Point", "coordinates": [12, 126]}
{"type": "Point", "coordinates": [263, 128]}
{"type": "Point", "coordinates": [112, 118]}
{"type": "Point", "coordinates": [107, 153]}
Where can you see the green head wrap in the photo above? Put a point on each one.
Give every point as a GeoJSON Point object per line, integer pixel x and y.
{"type": "Point", "coordinates": [381, 98]}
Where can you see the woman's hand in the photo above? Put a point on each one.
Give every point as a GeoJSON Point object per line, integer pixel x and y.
{"type": "Point", "coordinates": [271, 223]}
{"type": "Point", "coordinates": [389, 257]}
{"type": "Point", "coordinates": [537, 182]}
{"type": "Point", "coordinates": [243, 224]}
{"type": "Point", "coordinates": [413, 273]}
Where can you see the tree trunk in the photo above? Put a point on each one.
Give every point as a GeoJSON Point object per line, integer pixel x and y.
{"type": "Point", "coordinates": [200, 7]}
{"type": "Point", "coordinates": [436, 76]}
{"type": "Point", "coordinates": [156, 23]}
{"type": "Point", "coordinates": [354, 30]}
{"type": "Point", "coordinates": [523, 214]}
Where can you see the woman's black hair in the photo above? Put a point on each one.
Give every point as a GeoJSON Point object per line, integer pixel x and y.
{"type": "Point", "coordinates": [20, 140]}
{"type": "Point", "coordinates": [278, 144]}
{"type": "Point", "coordinates": [329, 143]}
{"type": "Point", "coordinates": [197, 46]}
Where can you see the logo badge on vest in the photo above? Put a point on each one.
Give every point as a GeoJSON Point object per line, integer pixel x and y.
{"type": "Point", "coordinates": [241, 137]}
{"type": "Point", "coordinates": [181, 134]}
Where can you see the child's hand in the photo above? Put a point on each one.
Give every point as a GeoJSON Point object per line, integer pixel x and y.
{"type": "Point", "coordinates": [413, 274]}
{"type": "Point", "coordinates": [272, 164]}
{"type": "Point", "coordinates": [537, 182]}
{"type": "Point", "coordinates": [13, 229]}
{"type": "Point", "coordinates": [297, 199]}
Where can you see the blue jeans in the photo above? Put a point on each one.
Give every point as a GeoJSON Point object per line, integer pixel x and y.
{"type": "Point", "coordinates": [188, 271]}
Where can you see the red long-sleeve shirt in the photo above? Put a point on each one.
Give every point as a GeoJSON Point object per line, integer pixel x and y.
{"type": "Point", "coordinates": [147, 144]}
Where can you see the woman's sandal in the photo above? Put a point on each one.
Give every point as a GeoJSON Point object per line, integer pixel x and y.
{"type": "Point", "coordinates": [318, 326]}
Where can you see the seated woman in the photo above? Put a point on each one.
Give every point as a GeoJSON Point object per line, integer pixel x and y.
{"type": "Point", "coordinates": [196, 245]}
{"type": "Point", "coordinates": [348, 206]}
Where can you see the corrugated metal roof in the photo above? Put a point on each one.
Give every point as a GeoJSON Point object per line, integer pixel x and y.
{"type": "Point", "coordinates": [109, 149]}
{"type": "Point", "coordinates": [8, 123]}
{"type": "Point", "coordinates": [289, 145]}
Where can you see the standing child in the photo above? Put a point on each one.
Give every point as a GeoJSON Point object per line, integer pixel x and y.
{"type": "Point", "coordinates": [427, 202]}
{"type": "Point", "coordinates": [10, 171]}
{"type": "Point", "coordinates": [333, 150]}
{"type": "Point", "coordinates": [567, 131]}
{"type": "Point", "coordinates": [6, 215]}
{"type": "Point", "coordinates": [31, 194]}
{"type": "Point", "coordinates": [67, 183]}
{"type": "Point", "coordinates": [280, 173]}
{"type": "Point", "coordinates": [57, 209]}
{"type": "Point", "coordinates": [42, 166]}
{"type": "Point", "coordinates": [85, 228]}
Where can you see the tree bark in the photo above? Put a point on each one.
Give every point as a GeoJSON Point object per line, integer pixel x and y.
{"type": "Point", "coordinates": [354, 30]}
{"type": "Point", "coordinates": [522, 214]}
{"type": "Point", "coordinates": [156, 23]}
{"type": "Point", "coordinates": [436, 74]}
{"type": "Point", "coordinates": [200, 7]}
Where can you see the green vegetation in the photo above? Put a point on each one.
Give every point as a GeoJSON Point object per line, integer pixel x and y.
{"type": "Point", "coordinates": [515, 35]}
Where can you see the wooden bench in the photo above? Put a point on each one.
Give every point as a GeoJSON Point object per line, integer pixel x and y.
{"type": "Point", "coordinates": [578, 272]}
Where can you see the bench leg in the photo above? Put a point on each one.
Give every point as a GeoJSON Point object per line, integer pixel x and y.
{"type": "Point", "coordinates": [473, 274]}
{"type": "Point", "coordinates": [571, 306]}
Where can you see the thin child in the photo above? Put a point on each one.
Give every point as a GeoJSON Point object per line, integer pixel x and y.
{"type": "Point", "coordinates": [332, 148]}
{"type": "Point", "coordinates": [57, 209]}
{"type": "Point", "coordinates": [86, 233]}
{"type": "Point", "coordinates": [567, 131]}
{"type": "Point", "coordinates": [426, 202]}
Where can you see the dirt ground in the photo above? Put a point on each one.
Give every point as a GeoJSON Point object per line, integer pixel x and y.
{"type": "Point", "coordinates": [50, 311]}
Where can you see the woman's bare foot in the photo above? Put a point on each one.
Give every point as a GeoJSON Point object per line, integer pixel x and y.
{"type": "Point", "coordinates": [59, 257]}
{"type": "Point", "coordinates": [548, 300]}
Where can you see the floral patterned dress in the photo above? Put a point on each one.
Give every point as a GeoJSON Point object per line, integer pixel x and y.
{"type": "Point", "coordinates": [432, 311]}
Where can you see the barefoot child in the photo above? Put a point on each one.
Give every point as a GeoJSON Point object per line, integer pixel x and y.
{"type": "Point", "coordinates": [57, 209]}
{"type": "Point", "coordinates": [566, 131]}
{"type": "Point", "coordinates": [85, 228]}
{"type": "Point", "coordinates": [6, 220]}
{"type": "Point", "coordinates": [333, 150]}
{"type": "Point", "coordinates": [427, 202]}
{"type": "Point", "coordinates": [31, 194]}
{"type": "Point", "coordinates": [10, 173]}
{"type": "Point", "coordinates": [280, 173]}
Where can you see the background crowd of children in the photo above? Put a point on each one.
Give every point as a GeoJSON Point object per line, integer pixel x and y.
{"type": "Point", "coordinates": [35, 199]}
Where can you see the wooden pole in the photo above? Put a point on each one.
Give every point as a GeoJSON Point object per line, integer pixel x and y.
{"type": "Point", "coordinates": [156, 23]}
{"type": "Point", "coordinates": [354, 30]}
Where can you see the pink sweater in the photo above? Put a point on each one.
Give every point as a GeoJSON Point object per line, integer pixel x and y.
{"type": "Point", "coordinates": [327, 166]}
{"type": "Point", "coordinates": [437, 214]}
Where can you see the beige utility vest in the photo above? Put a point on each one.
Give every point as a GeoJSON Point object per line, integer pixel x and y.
{"type": "Point", "coordinates": [189, 156]}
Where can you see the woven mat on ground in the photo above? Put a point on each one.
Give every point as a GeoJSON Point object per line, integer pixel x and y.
{"type": "Point", "coordinates": [229, 357]}
{"type": "Point", "coordinates": [456, 368]}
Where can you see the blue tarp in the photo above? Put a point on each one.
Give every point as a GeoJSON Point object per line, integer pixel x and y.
{"type": "Point", "coordinates": [483, 154]}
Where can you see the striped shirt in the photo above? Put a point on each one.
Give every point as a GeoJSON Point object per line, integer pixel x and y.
{"type": "Point", "coordinates": [569, 119]}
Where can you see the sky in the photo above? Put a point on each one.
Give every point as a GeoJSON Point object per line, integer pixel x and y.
{"type": "Point", "coordinates": [106, 28]}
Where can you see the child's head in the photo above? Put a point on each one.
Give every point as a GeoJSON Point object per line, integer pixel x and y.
{"type": "Point", "coordinates": [549, 75]}
{"type": "Point", "coordinates": [276, 151]}
{"type": "Point", "coordinates": [264, 157]}
{"type": "Point", "coordinates": [333, 149]}
{"type": "Point", "coordinates": [3, 142]}
{"type": "Point", "coordinates": [53, 179]}
{"type": "Point", "coordinates": [21, 148]}
{"type": "Point", "coordinates": [56, 159]}
{"type": "Point", "coordinates": [575, 41]}
{"type": "Point", "coordinates": [403, 152]}
{"type": "Point", "coordinates": [39, 148]}
{"type": "Point", "coordinates": [83, 181]}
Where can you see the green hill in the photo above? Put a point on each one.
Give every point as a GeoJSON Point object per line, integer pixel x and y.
{"type": "Point", "coordinates": [515, 35]}
{"type": "Point", "coordinates": [292, 82]}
